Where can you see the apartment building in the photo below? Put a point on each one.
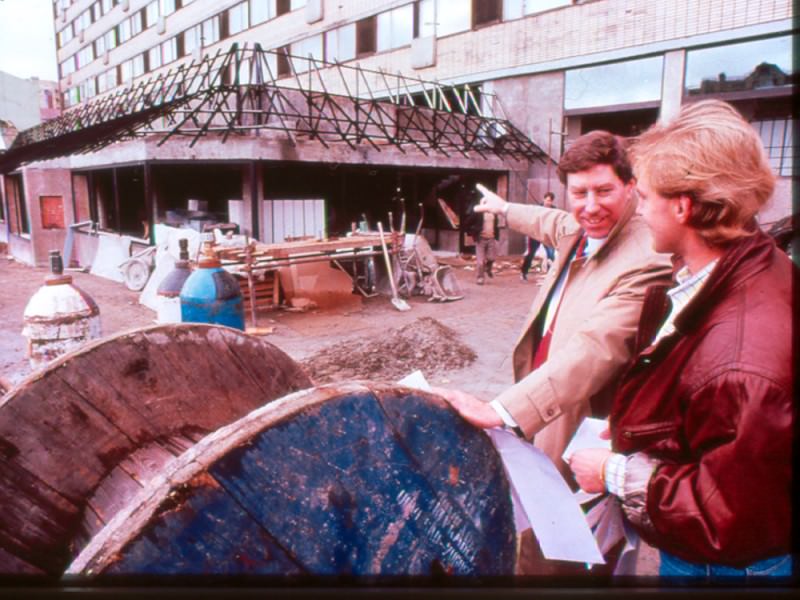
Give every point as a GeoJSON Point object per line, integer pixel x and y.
{"type": "Point", "coordinates": [544, 70]}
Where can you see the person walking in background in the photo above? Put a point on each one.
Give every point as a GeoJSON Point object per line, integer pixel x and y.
{"type": "Point", "coordinates": [580, 330]}
{"type": "Point", "coordinates": [532, 245]}
{"type": "Point", "coordinates": [701, 426]}
{"type": "Point", "coordinates": [485, 230]}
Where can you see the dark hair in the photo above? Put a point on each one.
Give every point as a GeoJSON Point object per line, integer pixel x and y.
{"type": "Point", "coordinates": [596, 148]}
{"type": "Point", "coordinates": [550, 195]}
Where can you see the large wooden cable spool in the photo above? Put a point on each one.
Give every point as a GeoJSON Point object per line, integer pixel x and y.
{"type": "Point", "coordinates": [81, 437]}
{"type": "Point", "coordinates": [348, 479]}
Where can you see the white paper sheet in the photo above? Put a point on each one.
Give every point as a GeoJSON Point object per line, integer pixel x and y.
{"type": "Point", "coordinates": [416, 380]}
{"type": "Point", "coordinates": [540, 496]}
{"type": "Point", "coordinates": [587, 436]}
{"type": "Point", "coordinates": [549, 505]}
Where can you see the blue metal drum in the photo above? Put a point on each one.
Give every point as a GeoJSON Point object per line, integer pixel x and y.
{"type": "Point", "coordinates": [212, 295]}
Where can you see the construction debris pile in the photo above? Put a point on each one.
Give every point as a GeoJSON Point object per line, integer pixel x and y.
{"type": "Point", "coordinates": [424, 344]}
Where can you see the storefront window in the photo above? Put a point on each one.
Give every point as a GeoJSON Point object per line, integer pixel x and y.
{"type": "Point", "coordinates": [741, 67]}
{"type": "Point", "coordinates": [628, 82]}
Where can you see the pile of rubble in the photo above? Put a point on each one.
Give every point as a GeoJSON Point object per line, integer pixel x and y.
{"type": "Point", "coordinates": [425, 344]}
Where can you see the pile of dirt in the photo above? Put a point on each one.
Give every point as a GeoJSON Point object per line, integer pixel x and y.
{"type": "Point", "coordinates": [425, 344]}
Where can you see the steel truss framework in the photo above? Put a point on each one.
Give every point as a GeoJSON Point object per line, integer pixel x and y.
{"type": "Point", "coordinates": [238, 92]}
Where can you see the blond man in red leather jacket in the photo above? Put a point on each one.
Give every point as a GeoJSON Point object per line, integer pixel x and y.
{"type": "Point", "coordinates": [701, 426]}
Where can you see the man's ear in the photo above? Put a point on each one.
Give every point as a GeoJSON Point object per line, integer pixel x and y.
{"type": "Point", "coordinates": [683, 209]}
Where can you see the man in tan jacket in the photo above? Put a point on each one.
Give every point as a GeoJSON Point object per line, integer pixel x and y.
{"type": "Point", "coordinates": [580, 330]}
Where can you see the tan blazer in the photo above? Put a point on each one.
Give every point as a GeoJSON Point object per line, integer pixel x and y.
{"type": "Point", "coordinates": [594, 331]}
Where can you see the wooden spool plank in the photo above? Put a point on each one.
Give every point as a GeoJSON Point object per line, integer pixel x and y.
{"type": "Point", "coordinates": [331, 483]}
{"type": "Point", "coordinates": [52, 428]}
{"type": "Point", "coordinates": [65, 429]}
{"type": "Point", "coordinates": [39, 513]}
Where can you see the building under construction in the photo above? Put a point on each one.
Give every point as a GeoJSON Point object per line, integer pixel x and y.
{"type": "Point", "coordinates": [292, 119]}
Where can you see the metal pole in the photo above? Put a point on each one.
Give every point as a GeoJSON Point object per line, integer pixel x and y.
{"type": "Point", "coordinates": [254, 172]}
{"type": "Point", "coordinates": [115, 182]}
{"type": "Point", "coordinates": [149, 204]}
{"type": "Point", "coordinates": [549, 148]}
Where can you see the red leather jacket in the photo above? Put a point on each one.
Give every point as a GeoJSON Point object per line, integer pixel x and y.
{"type": "Point", "coordinates": [710, 407]}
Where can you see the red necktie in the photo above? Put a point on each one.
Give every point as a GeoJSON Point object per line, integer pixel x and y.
{"type": "Point", "coordinates": [544, 344]}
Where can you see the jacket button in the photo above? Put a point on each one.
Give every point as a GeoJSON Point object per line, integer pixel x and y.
{"type": "Point", "coordinates": [628, 434]}
{"type": "Point", "coordinates": [550, 412]}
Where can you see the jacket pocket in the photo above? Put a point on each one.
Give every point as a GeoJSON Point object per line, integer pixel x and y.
{"type": "Point", "coordinates": [657, 437]}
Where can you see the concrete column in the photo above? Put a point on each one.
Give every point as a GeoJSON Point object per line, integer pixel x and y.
{"type": "Point", "coordinates": [672, 84]}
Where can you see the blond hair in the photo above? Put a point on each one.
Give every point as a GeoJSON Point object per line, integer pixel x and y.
{"type": "Point", "coordinates": [711, 154]}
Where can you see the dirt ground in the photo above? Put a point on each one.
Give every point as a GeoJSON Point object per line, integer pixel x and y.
{"type": "Point", "coordinates": [464, 344]}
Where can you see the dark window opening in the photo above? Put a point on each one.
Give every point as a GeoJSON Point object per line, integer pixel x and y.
{"type": "Point", "coordinates": [625, 123]}
{"type": "Point", "coordinates": [224, 30]}
{"type": "Point", "coordinates": [283, 62]}
{"type": "Point", "coordinates": [282, 7]}
{"type": "Point", "coordinates": [485, 12]}
{"type": "Point", "coordinates": [366, 36]}
{"type": "Point", "coordinates": [17, 210]}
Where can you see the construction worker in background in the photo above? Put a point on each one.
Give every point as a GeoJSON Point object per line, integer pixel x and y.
{"type": "Point", "coordinates": [484, 227]}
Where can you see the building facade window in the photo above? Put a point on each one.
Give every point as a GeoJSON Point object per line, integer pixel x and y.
{"type": "Point", "coordinates": [261, 10]}
{"type": "Point", "coordinates": [629, 82]}
{"type": "Point", "coordinates": [192, 38]}
{"type": "Point", "coordinates": [485, 12]}
{"type": "Point", "coordinates": [108, 5]}
{"type": "Point", "coordinates": [238, 18]}
{"type": "Point", "coordinates": [107, 80]}
{"type": "Point", "coordinates": [295, 4]}
{"type": "Point", "coordinates": [136, 23]}
{"type": "Point", "coordinates": [366, 42]}
{"type": "Point", "coordinates": [395, 28]}
{"type": "Point", "coordinates": [167, 7]}
{"type": "Point", "coordinates": [169, 51]}
{"type": "Point", "coordinates": [67, 67]}
{"type": "Point", "coordinates": [137, 65]}
{"type": "Point", "coordinates": [65, 35]}
{"type": "Point", "coordinates": [282, 61]}
{"type": "Point", "coordinates": [777, 136]}
{"type": "Point", "coordinates": [440, 17]}
{"type": "Point", "coordinates": [126, 72]}
{"type": "Point", "coordinates": [514, 9]}
{"type": "Point", "coordinates": [84, 56]}
{"type": "Point", "coordinates": [303, 49]}
{"type": "Point", "coordinates": [340, 43]}
{"type": "Point", "coordinates": [211, 33]}
{"type": "Point", "coordinates": [154, 58]}
{"type": "Point", "coordinates": [740, 68]}
{"type": "Point", "coordinates": [88, 89]}
{"type": "Point", "coordinates": [151, 14]}
{"type": "Point", "coordinates": [124, 31]}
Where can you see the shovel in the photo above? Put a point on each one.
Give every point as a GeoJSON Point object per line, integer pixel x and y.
{"type": "Point", "coordinates": [398, 302]}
